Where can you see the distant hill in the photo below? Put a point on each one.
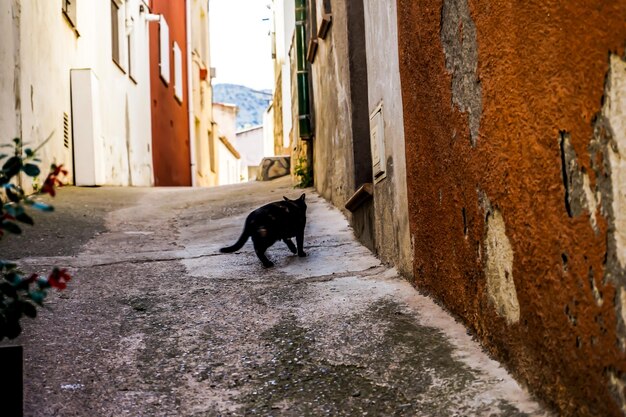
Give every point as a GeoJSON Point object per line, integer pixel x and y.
{"type": "Point", "coordinates": [252, 103]}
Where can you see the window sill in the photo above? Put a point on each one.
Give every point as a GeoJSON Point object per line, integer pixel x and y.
{"type": "Point", "coordinates": [312, 50]}
{"type": "Point", "coordinates": [360, 197]}
{"type": "Point", "coordinates": [327, 20]}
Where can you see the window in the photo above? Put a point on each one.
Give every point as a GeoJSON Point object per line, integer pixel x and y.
{"type": "Point", "coordinates": [164, 50]}
{"type": "Point", "coordinates": [178, 73]}
{"type": "Point", "coordinates": [69, 10]}
{"type": "Point", "coordinates": [116, 44]}
{"type": "Point", "coordinates": [324, 17]}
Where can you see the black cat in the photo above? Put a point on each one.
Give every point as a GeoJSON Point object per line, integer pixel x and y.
{"type": "Point", "coordinates": [280, 220]}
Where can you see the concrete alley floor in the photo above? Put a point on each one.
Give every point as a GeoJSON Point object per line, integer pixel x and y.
{"type": "Point", "coordinates": [157, 322]}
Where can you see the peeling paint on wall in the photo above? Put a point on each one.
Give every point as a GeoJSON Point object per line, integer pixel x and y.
{"type": "Point", "coordinates": [618, 389]}
{"type": "Point", "coordinates": [621, 321]}
{"type": "Point", "coordinates": [607, 150]}
{"type": "Point", "coordinates": [499, 265]}
{"type": "Point", "coordinates": [458, 36]}
{"type": "Point", "coordinates": [610, 142]}
{"type": "Point", "coordinates": [578, 194]}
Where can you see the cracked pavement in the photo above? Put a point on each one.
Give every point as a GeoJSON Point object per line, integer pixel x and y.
{"type": "Point", "coordinates": [157, 322]}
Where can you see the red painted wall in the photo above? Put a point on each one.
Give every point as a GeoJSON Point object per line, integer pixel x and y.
{"type": "Point", "coordinates": [541, 69]}
{"type": "Point", "coordinates": [170, 119]}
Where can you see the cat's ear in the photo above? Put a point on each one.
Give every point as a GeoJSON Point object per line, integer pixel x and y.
{"type": "Point", "coordinates": [286, 199]}
{"type": "Point", "coordinates": [302, 197]}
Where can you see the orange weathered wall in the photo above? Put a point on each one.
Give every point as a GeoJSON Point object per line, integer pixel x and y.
{"type": "Point", "coordinates": [170, 123]}
{"type": "Point", "coordinates": [524, 82]}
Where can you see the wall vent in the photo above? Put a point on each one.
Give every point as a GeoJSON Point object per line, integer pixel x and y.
{"type": "Point", "coordinates": [66, 130]}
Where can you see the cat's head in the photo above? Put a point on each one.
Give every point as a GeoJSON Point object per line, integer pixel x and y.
{"type": "Point", "coordinates": [299, 201]}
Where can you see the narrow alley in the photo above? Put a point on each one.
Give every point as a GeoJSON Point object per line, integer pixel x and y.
{"type": "Point", "coordinates": [464, 164]}
{"type": "Point", "coordinates": [157, 322]}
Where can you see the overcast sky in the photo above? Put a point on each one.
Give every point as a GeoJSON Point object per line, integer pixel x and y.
{"type": "Point", "coordinates": [240, 44]}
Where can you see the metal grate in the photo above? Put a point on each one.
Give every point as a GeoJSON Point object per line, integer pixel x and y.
{"type": "Point", "coordinates": [66, 130]}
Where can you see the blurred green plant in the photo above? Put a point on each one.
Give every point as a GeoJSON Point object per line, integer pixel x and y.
{"type": "Point", "coordinates": [21, 293]}
{"type": "Point", "coordinates": [303, 173]}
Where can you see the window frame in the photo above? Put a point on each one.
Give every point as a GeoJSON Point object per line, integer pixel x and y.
{"type": "Point", "coordinates": [177, 54]}
{"type": "Point", "coordinates": [116, 35]}
{"type": "Point", "coordinates": [131, 49]}
{"type": "Point", "coordinates": [68, 8]}
{"type": "Point", "coordinates": [164, 51]}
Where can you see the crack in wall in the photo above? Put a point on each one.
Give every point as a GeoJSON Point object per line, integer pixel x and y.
{"type": "Point", "coordinates": [16, 15]}
{"type": "Point", "coordinates": [578, 194]}
{"type": "Point", "coordinates": [460, 47]}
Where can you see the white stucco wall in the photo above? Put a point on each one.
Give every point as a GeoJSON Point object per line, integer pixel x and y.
{"type": "Point", "coordinates": [49, 49]}
{"type": "Point", "coordinates": [230, 169]}
{"type": "Point", "coordinates": [383, 73]}
{"type": "Point", "coordinates": [268, 132]}
{"type": "Point", "coordinates": [8, 121]}
{"type": "Point", "coordinates": [225, 115]}
{"type": "Point", "coordinates": [250, 145]}
{"type": "Point", "coordinates": [125, 104]}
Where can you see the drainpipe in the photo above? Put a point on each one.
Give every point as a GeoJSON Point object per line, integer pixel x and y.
{"type": "Point", "coordinates": [304, 114]}
{"type": "Point", "coordinates": [192, 126]}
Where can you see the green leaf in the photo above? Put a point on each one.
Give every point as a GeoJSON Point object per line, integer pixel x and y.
{"type": "Point", "coordinates": [10, 210]}
{"type": "Point", "coordinates": [25, 218]}
{"type": "Point", "coordinates": [29, 309]}
{"type": "Point", "coordinates": [37, 296]}
{"type": "Point", "coordinates": [13, 277]}
{"type": "Point", "coordinates": [13, 329]}
{"type": "Point", "coordinates": [29, 152]}
{"type": "Point", "coordinates": [8, 290]}
{"type": "Point", "coordinates": [11, 227]}
{"type": "Point", "coordinates": [12, 166]}
{"type": "Point", "coordinates": [8, 265]}
{"type": "Point", "coordinates": [31, 170]}
{"type": "Point", "coordinates": [14, 193]}
{"type": "Point", "coordinates": [42, 283]}
{"type": "Point", "coordinates": [42, 206]}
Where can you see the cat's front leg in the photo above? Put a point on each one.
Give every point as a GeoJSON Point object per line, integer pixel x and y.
{"type": "Point", "coordinates": [290, 245]}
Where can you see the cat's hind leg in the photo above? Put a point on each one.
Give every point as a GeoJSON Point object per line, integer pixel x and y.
{"type": "Point", "coordinates": [300, 243]}
{"type": "Point", "coordinates": [290, 245]}
{"type": "Point", "coordinates": [259, 248]}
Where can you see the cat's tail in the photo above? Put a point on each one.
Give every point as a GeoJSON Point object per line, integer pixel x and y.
{"type": "Point", "coordinates": [239, 244]}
